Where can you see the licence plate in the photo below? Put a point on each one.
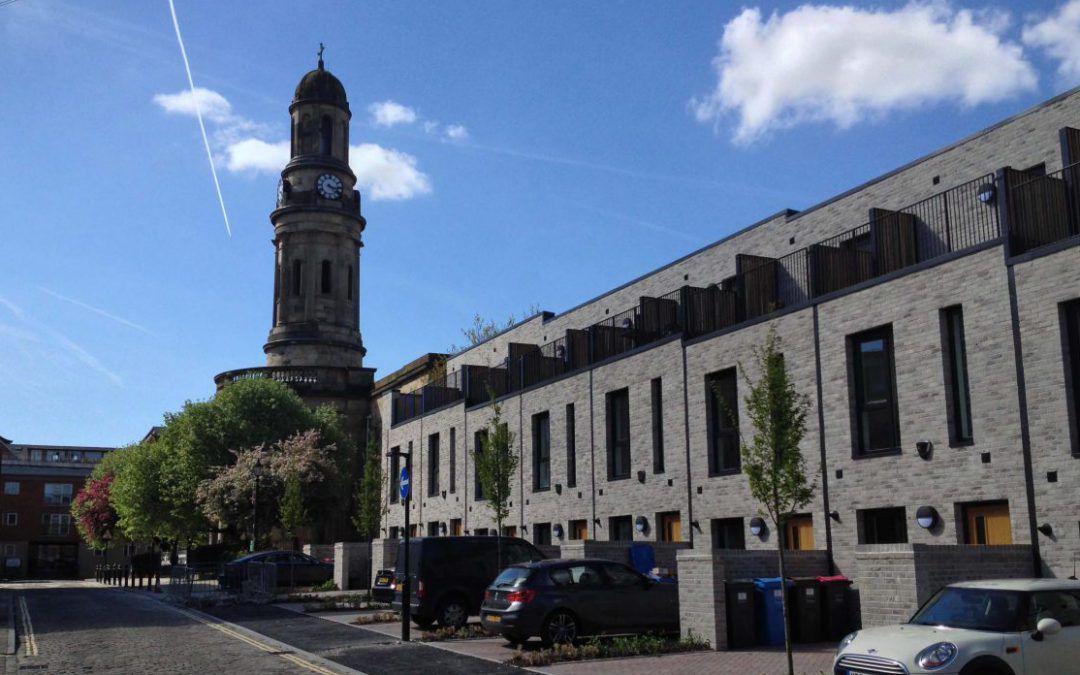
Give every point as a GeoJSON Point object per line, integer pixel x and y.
{"type": "Point", "coordinates": [382, 581]}
{"type": "Point", "coordinates": [494, 618]}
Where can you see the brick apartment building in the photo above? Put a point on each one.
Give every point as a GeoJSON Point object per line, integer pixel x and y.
{"type": "Point", "coordinates": [931, 315]}
{"type": "Point", "coordinates": [38, 538]}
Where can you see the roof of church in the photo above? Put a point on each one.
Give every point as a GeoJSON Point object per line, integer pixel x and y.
{"type": "Point", "coordinates": [320, 85]}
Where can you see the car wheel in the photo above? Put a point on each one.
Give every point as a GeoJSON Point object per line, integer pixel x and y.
{"type": "Point", "coordinates": [423, 621]}
{"type": "Point", "coordinates": [561, 628]}
{"type": "Point", "coordinates": [985, 666]}
{"type": "Point", "coordinates": [453, 613]}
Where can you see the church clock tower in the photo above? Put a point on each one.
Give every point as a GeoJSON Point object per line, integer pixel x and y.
{"type": "Point", "coordinates": [317, 235]}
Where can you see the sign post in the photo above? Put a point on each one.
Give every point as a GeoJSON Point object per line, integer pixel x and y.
{"type": "Point", "coordinates": [406, 499]}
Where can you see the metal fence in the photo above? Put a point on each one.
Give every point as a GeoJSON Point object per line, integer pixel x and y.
{"type": "Point", "coordinates": [196, 582]}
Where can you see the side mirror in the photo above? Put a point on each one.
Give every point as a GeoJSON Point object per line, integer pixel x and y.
{"type": "Point", "coordinates": [1046, 627]}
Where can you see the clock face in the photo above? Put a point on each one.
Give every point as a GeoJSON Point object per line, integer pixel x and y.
{"type": "Point", "coordinates": [329, 186]}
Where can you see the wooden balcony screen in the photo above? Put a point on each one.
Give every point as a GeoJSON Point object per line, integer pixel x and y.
{"type": "Point", "coordinates": [1038, 209]}
{"type": "Point", "coordinates": [759, 284]}
{"type": "Point", "coordinates": [895, 240]}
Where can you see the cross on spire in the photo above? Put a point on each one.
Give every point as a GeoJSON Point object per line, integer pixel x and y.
{"type": "Point", "coordinates": [322, 48]}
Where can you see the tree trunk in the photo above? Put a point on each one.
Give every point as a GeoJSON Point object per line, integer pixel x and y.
{"type": "Point", "coordinates": [784, 600]}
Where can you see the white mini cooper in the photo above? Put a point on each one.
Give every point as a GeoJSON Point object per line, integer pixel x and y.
{"type": "Point", "coordinates": [999, 627]}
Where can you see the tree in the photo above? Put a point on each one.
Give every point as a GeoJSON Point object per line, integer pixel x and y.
{"type": "Point", "coordinates": [496, 465]}
{"type": "Point", "coordinates": [484, 329]}
{"type": "Point", "coordinates": [370, 505]}
{"type": "Point", "coordinates": [772, 460]}
{"type": "Point", "coordinates": [294, 513]}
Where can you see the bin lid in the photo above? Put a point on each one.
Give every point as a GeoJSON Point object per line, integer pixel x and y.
{"type": "Point", "coordinates": [770, 582]}
{"type": "Point", "coordinates": [833, 579]}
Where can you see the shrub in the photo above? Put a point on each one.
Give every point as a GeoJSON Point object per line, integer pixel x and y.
{"type": "Point", "coordinates": [377, 617]}
{"type": "Point", "coordinates": [607, 648]}
{"type": "Point", "coordinates": [328, 585]}
{"type": "Point", "coordinates": [469, 631]}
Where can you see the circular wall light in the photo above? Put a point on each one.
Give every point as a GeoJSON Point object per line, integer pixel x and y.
{"type": "Point", "coordinates": [987, 193]}
{"type": "Point", "coordinates": [641, 524]}
{"type": "Point", "coordinates": [926, 517]}
{"type": "Point", "coordinates": [757, 526]}
{"type": "Point", "coordinates": [557, 531]}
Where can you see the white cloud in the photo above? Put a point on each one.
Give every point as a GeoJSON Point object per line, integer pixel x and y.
{"type": "Point", "coordinates": [256, 155]}
{"type": "Point", "coordinates": [389, 113]}
{"type": "Point", "coordinates": [430, 127]}
{"type": "Point", "coordinates": [842, 64]}
{"type": "Point", "coordinates": [457, 132]}
{"type": "Point", "coordinates": [387, 174]}
{"type": "Point", "coordinates": [213, 105]}
{"type": "Point", "coordinates": [1059, 36]}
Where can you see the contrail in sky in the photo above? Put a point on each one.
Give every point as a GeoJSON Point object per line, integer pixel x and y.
{"type": "Point", "coordinates": [198, 114]}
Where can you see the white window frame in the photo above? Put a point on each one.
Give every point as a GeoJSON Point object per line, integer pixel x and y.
{"type": "Point", "coordinates": [64, 496]}
{"type": "Point", "coordinates": [11, 518]}
{"type": "Point", "coordinates": [12, 487]}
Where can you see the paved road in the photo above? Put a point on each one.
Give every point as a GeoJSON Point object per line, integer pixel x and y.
{"type": "Point", "coordinates": [84, 628]}
{"type": "Point", "coordinates": [372, 652]}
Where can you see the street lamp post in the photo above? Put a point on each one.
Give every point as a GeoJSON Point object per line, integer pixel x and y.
{"type": "Point", "coordinates": [406, 500]}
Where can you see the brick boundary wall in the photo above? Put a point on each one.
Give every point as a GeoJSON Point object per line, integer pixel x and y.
{"type": "Point", "coordinates": [351, 562]}
{"type": "Point", "coordinates": [893, 580]}
{"type": "Point", "coordinates": [619, 551]}
{"type": "Point", "coordinates": [702, 599]}
{"type": "Point", "coordinates": [324, 552]}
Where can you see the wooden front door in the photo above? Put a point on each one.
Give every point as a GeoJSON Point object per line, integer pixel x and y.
{"type": "Point", "coordinates": [988, 524]}
{"type": "Point", "coordinates": [579, 529]}
{"type": "Point", "coordinates": [670, 527]}
{"type": "Point", "coordinates": [799, 533]}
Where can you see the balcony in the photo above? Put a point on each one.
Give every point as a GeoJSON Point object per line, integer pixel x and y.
{"type": "Point", "coordinates": [1042, 210]}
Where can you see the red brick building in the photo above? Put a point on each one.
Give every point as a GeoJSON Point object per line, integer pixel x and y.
{"type": "Point", "coordinates": [38, 538]}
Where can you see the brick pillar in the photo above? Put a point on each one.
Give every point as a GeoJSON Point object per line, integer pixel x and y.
{"type": "Point", "coordinates": [383, 556]}
{"type": "Point", "coordinates": [702, 603]}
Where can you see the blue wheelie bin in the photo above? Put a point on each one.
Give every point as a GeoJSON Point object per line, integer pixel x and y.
{"type": "Point", "coordinates": [769, 610]}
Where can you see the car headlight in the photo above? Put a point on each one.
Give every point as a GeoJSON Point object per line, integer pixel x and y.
{"type": "Point", "coordinates": [846, 641]}
{"type": "Point", "coordinates": [936, 656]}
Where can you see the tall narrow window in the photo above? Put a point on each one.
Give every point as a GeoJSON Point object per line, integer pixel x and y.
{"type": "Point", "coordinates": [957, 387]}
{"type": "Point", "coordinates": [326, 135]}
{"type": "Point", "coordinates": [618, 434]}
{"type": "Point", "coordinates": [453, 460]}
{"type": "Point", "coordinates": [541, 438]}
{"type": "Point", "coordinates": [883, 526]}
{"type": "Point", "coordinates": [873, 382]}
{"type": "Point", "coordinates": [395, 474]}
{"type": "Point", "coordinates": [722, 421]}
{"type": "Point", "coordinates": [433, 465]}
{"type": "Point", "coordinates": [1070, 321]}
{"type": "Point", "coordinates": [350, 291]}
{"type": "Point", "coordinates": [297, 277]}
{"type": "Point", "coordinates": [657, 426]}
{"type": "Point", "coordinates": [571, 447]}
{"type": "Point", "coordinates": [478, 449]}
{"type": "Point", "coordinates": [326, 282]}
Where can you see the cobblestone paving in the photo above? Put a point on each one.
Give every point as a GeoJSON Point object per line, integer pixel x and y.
{"type": "Point", "coordinates": [84, 628]}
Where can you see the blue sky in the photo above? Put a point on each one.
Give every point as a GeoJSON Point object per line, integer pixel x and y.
{"type": "Point", "coordinates": [523, 153]}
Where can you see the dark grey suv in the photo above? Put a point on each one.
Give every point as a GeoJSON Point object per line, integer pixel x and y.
{"type": "Point", "coordinates": [562, 600]}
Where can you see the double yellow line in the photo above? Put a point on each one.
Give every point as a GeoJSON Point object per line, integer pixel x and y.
{"type": "Point", "coordinates": [292, 658]}
{"type": "Point", "coordinates": [30, 640]}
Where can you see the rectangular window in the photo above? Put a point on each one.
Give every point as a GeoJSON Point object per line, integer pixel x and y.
{"type": "Point", "coordinates": [433, 465]}
{"type": "Point", "coordinates": [618, 434]}
{"type": "Point", "coordinates": [433, 528]}
{"type": "Point", "coordinates": [728, 533]}
{"type": "Point", "coordinates": [542, 534]}
{"type": "Point", "coordinates": [657, 426]}
{"type": "Point", "coordinates": [541, 439]}
{"type": "Point", "coordinates": [478, 449]}
{"type": "Point", "coordinates": [1070, 323]}
{"type": "Point", "coordinates": [722, 421]}
{"type": "Point", "coordinates": [453, 460]}
{"type": "Point", "coordinates": [578, 529]}
{"type": "Point", "coordinates": [56, 524]}
{"type": "Point", "coordinates": [873, 384]}
{"type": "Point", "coordinates": [957, 387]}
{"type": "Point", "coordinates": [620, 528]}
{"type": "Point", "coordinates": [883, 526]}
{"type": "Point", "coordinates": [669, 526]}
{"type": "Point", "coordinates": [395, 532]}
{"type": "Point", "coordinates": [571, 447]}
{"type": "Point", "coordinates": [11, 487]}
{"type": "Point", "coordinates": [58, 494]}
{"type": "Point", "coordinates": [395, 474]}
{"type": "Point", "coordinates": [11, 518]}
{"type": "Point", "coordinates": [35, 455]}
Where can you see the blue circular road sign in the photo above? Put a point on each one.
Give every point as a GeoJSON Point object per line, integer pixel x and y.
{"type": "Point", "coordinates": [404, 483]}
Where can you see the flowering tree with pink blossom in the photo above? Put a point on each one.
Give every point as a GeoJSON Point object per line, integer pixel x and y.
{"type": "Point", "coordinates": [93, 513]}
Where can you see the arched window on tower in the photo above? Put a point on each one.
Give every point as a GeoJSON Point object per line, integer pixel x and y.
{"type": "Point", "coordinates": [325, 286]}
{"type": "Point", "coordinates": [297, 277]}
{"type": "Point", "coordinates": [350, 283]}
{"type": "Point", "coordinates": [326, 135]}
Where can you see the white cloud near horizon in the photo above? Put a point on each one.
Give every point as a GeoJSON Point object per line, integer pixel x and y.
{"type": "Point", "coordinates": [390, 113]}
{"type": "Point", "coordinates": [457, 132]}
{"type": "Point", "coordinates": [382, 174]}
{"type": "Point", "coordinates": [822, 63]}
{"type": "Point", "coordinates": [1058, 35]}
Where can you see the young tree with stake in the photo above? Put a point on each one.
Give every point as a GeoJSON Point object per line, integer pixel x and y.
{"type": "Point", "coordinates": [496, 464]}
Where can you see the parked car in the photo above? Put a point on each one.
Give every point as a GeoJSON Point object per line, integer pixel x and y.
{"type": "Point", "coordinates": [448, 575]}
{"type": "Point", "coordinates": [562, 600]}
{"type": "Point", "coordinates": [999, 627]}
{"type": "Point", "coordinates": [292, 569]}
{"type": "Point", "coordinates": [383, 588]}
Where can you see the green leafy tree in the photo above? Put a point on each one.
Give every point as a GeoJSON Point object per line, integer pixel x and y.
{"type": "Point", "coordinates": [294, 513]}
{"type": "Point", "coordinates": [370, 505]}
{"type": "Point", "coordinates": [496, 465]}
{"type": "Point", "coordinates": [772, 460]}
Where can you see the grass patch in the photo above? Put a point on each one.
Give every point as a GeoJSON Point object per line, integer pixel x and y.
{"type": "Point", "coordinates": [609, 648]}
{"type": "Point", "coordinates": [470, 631]}
{"type": "Point", "coordinates": [377, 617]}
{"type": "Point", "coordinates": [328, 585]}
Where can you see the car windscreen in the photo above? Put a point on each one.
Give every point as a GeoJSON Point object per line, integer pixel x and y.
{"type": "Point", "coordinates": [974, 609]}
{"type": "Point", "coordinates": [512, 577]}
